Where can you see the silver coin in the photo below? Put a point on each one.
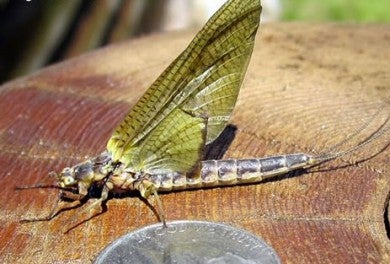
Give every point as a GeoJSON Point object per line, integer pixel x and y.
{"type": "Point", "coordinates": [189, 242]}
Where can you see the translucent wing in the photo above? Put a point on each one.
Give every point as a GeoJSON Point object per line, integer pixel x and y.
{"type": "Point", "coordinates": [173, 145]}
{"type": "Point", "coordinates": [199, 87]}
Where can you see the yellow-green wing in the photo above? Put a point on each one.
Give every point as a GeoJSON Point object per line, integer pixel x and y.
{"type": "Point", "coordinates": [173, 145]}
{"type": "Point", "coordinates": [202, 84]}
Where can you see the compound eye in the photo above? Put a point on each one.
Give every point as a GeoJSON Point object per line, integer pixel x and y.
{"type": "Point", "coordinates": [68, 180]}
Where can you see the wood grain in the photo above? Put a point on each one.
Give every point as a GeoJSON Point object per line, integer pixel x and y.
{"type": "Point", "coordinates": [307, 87]}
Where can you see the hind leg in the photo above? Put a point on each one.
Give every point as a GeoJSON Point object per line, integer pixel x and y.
{"type": "Point", "coordinates": [146, 188]}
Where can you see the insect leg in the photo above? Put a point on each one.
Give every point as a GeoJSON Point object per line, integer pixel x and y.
{"type": "Point", "coordinates": [99, 202]}
{"type": "Point", "coordinates": [59, 206]}
{"type": "Point", "coordinates": [160, 207]}
{"type": "Point", "coordinates": [146, 188]}
{"type": "Point", "coordinates": [92, 210]}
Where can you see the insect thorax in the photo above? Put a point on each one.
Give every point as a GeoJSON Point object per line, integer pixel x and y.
{"type": "Point", "coordinates": [88, 172]}
{"type": "Point", "coordinates": [102, 170]}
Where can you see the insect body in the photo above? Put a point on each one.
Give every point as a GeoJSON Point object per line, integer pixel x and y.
{"type": "Point", "coordinates": [211, 173]}
{"type": "Point", "coordinates": [162, 138]}
{"type": "Point", "coordinates": [159, 145]}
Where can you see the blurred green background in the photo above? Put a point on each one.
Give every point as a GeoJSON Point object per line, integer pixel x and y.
{"type": "Point", "coordinates": [337, 10]}
{"type": "Point", "coordinates": [36, 33]}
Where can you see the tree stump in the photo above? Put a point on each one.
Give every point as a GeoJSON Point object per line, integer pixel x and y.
{"type": "Point", "coordinates": [307, 87]}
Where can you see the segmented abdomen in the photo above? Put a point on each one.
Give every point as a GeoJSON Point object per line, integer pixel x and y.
{"type": "Point", "coordinates": [230, 172]}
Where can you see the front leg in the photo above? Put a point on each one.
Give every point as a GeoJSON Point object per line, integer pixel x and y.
{"type": "Point", "coordinates": [60, 206]}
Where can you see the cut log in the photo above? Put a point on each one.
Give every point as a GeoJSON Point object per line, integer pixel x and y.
{"type": "Point", "coordinates": [307, 87]}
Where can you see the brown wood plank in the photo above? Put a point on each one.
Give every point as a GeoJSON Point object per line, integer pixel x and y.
{"type": "Point", "coordinates": [307, 87]}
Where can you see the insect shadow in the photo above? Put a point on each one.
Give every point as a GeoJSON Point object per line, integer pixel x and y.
{"type": "Point", "coordinates": [217, 149]}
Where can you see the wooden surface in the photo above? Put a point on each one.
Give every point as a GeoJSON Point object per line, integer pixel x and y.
{"type": "Point", "coordinates": [307, 87]}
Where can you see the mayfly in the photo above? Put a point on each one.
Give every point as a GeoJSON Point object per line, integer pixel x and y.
{"type": "Point", "coordinates": [159, 145]}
